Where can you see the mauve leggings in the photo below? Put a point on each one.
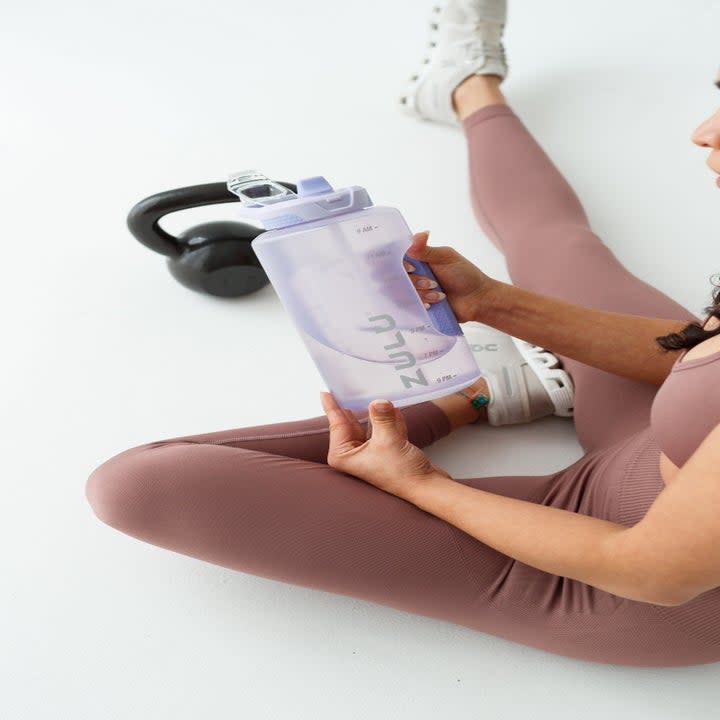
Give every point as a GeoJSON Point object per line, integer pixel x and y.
{"type": "Point", "coordinates": [262, 499]}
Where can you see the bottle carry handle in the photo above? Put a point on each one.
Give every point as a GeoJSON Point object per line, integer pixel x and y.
{"type": "Point", "coordinates": [440, 313]}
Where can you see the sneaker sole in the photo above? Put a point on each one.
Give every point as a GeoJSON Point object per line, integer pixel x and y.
{"type": "Point", "coordinates": [557, 382]}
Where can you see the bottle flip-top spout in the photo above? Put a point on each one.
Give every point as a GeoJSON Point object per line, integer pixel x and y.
{"type": "Point", "coordinates": [257, 190]}
{"type": "Point", "coordinates": [275, 206]}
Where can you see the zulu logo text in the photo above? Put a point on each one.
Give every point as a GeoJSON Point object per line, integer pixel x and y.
{"type": "Point", "coordinates": [405, 359]}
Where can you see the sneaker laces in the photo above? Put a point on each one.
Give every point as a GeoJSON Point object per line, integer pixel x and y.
{"type": "Point", "coordinates": [477, 47]}
{"type": "Point", "coordinates": [478, 44]}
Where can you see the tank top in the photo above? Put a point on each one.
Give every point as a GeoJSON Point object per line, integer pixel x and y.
{"type": "Point", "coordinates": [686, 407]}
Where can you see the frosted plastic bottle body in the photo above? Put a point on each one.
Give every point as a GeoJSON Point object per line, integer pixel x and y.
{"type": "Point", "coordinates": [343, 283]}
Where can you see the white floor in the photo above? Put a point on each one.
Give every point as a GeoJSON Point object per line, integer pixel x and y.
{"type": "Point", "coordinates": [105, 103]}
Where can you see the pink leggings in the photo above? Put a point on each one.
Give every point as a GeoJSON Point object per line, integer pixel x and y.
{"type": "Point", "coordinates": [262, 499]}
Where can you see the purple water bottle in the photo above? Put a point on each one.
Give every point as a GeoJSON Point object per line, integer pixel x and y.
{"type": "Point", "coordinates": [336, 263]}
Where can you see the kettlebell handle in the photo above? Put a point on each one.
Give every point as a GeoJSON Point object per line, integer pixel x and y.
{"type": "Point", "coordinates": [143, 219]}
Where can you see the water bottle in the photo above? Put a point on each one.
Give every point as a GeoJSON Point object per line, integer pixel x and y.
{"type": "Point", "coordinates": [336, 263]}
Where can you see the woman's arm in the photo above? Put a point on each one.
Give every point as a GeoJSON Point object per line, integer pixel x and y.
{"type": "Point", "coordinates": [551, 539]}
{"type": "Point", "coordinates": [619, 343]}
{"type": "Point", "coordinates": [679, 536]}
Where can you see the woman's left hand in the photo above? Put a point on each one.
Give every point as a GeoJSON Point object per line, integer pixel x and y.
{"type": "Point", "coordinates": [383, 457]}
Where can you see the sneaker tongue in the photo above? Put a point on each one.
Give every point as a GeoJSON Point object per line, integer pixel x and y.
{"type": "Point", "coordinates": [464, 49]}
{"type": "Point", "coordinates": [475, 12]}
{"type": "Point", "coordinates": [482, 34]}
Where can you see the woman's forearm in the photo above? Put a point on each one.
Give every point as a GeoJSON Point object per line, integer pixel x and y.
{"type": "Point", "coordinates": [619, 343]}
{"type": "Point", "coordinates": [557, 541]}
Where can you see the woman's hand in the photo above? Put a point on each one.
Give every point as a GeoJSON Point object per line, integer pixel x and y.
{"type": "Point", "coordinates": [384, 457]}
{"type": "Point", "coordinates": [463, 283]}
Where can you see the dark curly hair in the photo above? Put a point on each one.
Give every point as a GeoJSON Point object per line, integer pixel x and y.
{"type": "Point", "coordinates": [693, 334]}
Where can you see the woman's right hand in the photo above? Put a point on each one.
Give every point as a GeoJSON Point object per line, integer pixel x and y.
{"type": "Point", "coordinates": [464, 283]}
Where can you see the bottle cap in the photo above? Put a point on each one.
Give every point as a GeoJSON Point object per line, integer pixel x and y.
{"type": "Point", "coordinates": [275, 206]}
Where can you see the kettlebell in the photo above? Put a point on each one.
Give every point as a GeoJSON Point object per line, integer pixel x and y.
{"type": "Point", "coordinates": [214, 257]}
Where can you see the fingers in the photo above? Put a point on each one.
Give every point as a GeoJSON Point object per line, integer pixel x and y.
{"type": "Point", "coordinates": [419, 240]}
{"type": "Point", "coordinates": [402, 425]}
{"type": "Point", "coordinates": [354, 422]}
{"type": "Point", "coordinates": [427, 289]}
{"type": "Point", "coordinates": [341, 430]}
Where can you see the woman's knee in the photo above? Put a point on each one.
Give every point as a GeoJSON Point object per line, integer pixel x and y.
{"type": "Point", "coordinates": [123, 491]}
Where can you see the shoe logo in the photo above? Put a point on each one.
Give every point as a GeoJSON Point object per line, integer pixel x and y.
{"type": "Point", "coordinates": [480, 348]}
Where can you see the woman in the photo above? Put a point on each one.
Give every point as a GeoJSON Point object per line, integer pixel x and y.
{"type": "Point", "coordinates": [613, 559]}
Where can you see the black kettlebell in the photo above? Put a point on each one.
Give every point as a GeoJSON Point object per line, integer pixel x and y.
{"type": "Point", "coordinates": [214, 257]}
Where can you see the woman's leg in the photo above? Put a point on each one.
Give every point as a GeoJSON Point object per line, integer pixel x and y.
{"type": "Point", "coordinates": [261, 500]}
{"type": "Point", "coordinates": [532, 215]}
{"type": "Point", "coordinates": [293, 520]}
{"type": "Point", "coordinates": [308, 439]}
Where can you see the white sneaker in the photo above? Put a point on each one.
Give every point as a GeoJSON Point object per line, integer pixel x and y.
{"type": "Point", "coordinates": [465, 39]}
{"type": "Point", "coordinates": [525, 380]}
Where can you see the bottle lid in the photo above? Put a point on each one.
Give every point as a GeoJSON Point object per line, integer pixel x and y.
{"type": "Point", "coordinates": [275, 206]}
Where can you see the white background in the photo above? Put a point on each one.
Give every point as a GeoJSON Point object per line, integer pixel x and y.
{"type": "Point", "coordinates": [104, 103]}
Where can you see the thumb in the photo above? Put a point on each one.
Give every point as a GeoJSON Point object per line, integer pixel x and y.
{"type": "Point", "coordinates": [420, 250]}
{"type": "Point", "coordinates": [383, 419]}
